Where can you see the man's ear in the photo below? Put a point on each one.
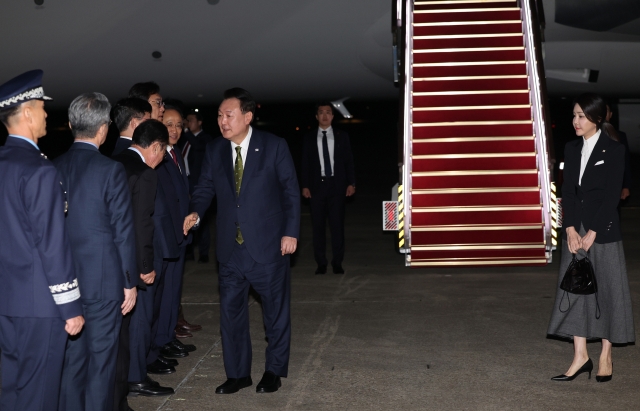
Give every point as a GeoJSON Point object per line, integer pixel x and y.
{"type": "Point", "coordinates": [248, 117]}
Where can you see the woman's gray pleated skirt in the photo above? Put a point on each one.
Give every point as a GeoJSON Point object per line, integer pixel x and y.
{"type": "Point", "coordinates": [579, 319]}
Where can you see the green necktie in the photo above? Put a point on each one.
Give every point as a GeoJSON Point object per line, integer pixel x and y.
{"type": "Point", "coordinates": [238, 169]}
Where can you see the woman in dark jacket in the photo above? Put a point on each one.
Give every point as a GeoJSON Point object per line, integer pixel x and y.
{"type": "Point", "coordinates": [593, 172]}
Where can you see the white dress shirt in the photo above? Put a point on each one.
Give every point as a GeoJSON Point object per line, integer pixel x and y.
{"type": "Point", "coordinates": [331, 144]}
{"type": "Point", "coordinates": [587, 148]}
{"type": "Point", "coordinates": [126, 138]}
{"type": "Point", "coordinates": [244, 150]}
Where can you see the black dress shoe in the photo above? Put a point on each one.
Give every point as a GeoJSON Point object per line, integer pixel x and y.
{"type": "Point", "coordinates": [322, 269]}
{"type": "Point", "coordinates": [181, 346]}
{"type": "Point", "coordinates": [158, 367]}
{"type": "Point", "coordinates": [203, 259]}
{"type": "Point", "coordinates": [168, 361]}
{"type": "Point", "coordinates": [587, 367]}
{"type": "Point", "coordinates": [149, 388]}
{"type": "Point", "coordinates": [234, 385]}
{"type": "Point", "coordinates": [182, 333]}
{"type": "Point", "coordinates": [182, 323]}
{"type": "Point", "coordinates": [269, 383]}
{"type": "Point", "coordinates": [169, 351]}
{"type": "Point", "coordinates": [337, 269]}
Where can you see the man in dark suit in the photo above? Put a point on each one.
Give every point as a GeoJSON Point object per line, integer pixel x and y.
{"type": "Point", "coordinates": [328, 178]}
{"type": "Point", "coordinates": [146, 152]}
{"type": "Point", "coordinates": [99, 202]}
{"type": "Point", "coordinates": [251, 174]}
{"type": "Point", "coordinates": [150, 92]}
{"type": "Point", "coordinates": [39, 296]}
{"type": "Point", "coordinates": [194, 146]}
{"type": "Point", "coordinates": [127, 114]}
{"type": "Point", "coordinates": [173, 179]}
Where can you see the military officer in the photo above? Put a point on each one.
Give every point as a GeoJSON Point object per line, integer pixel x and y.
{"type": "Point", "coordinates": [39, 296]}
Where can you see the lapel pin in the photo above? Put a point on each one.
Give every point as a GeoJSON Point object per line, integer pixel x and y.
{"type": "Point", "coordinates": [257, 149]}
{"type": "Point", "coordinates": [604, 151]}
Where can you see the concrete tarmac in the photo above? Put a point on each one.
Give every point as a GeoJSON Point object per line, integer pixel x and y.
{"type": "Point", "coordinates": [386, 337]}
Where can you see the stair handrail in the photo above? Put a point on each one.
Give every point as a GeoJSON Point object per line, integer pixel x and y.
{"type": "Point", "coordinates": [407, 120]}
{"type": "Point", "coordinates": [537, 86]}
{"type": "Point", "coordinates": [404, 39]}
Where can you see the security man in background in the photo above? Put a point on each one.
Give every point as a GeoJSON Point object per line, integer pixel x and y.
{"type": "Point", "coordinates": [327, 178]}
{"type": "Point", "coordinates": [39, 296]}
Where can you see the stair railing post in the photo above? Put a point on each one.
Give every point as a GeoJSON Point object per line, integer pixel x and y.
{"type": "Point", "coordinates": [408, 137]}
{"type": "Point", "coordinates": [538, 105]}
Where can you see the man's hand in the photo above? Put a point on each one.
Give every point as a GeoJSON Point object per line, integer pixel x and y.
{"type": "Point", "coordinates": [288, 245]}
{"type": "Point", "coordinates": [148, 278]}
{"type": "Point", "coordinates": [625, 193]}
{"type": "Point", "coordinates": [574, 241]}
{"type": "Point", "coordinates": [189, 222]}
{"type": "Point", "coordinates": [588, 239]}
{"type": "Point", "coordinates": [351, 190]}
{"type": "Point", "coordinates": [306, 193]}
{"type": "Point", "coordinates": [130, 296]}
{"type": "Point", "coordinates": [74, 325]}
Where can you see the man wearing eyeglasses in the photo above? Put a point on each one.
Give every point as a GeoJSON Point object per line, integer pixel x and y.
{"type": "Point", "coordinates": [150, 92]}
{"type": "Point", "coordinates": [128, 113]}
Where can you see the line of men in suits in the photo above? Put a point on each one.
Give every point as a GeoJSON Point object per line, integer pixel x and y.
{"type": "Point", "coordinates": [105, 240]}
{"type": "Point", "coordinates": [100, 243]}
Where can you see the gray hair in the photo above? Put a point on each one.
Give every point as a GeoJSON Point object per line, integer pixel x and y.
{"type": "Point", "coordinates": [87, 113]}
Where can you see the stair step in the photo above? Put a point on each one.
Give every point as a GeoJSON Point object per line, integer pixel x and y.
{"type": "Point", "coordinates": [469, 55]}
{"type": "Point", "coordinates": [526, 234]}
{"type": "Point", "coordinates": [488, 197]}
{"type": "Point", "coordinates": [475, 262]}
{"type": "Point", "coordinates": [477, 113]}
{"type": "Point", "coordinates": [471, 179]}
{"type": "Point", "coordinates": [442, 162]}
{"type": "Point", "coordinates": [470, 84]}
{"type": "Point", "coordinates": [424, 216]}
{"type": "Point", "coordinates": [420, 71]}
{"type": "Point", "coordinates": [487, 98]}
{"type": "Point", "coordinates": [474, 145]}
{"type": "Point", "coordinates": [453, 28]}
{"type": "Point", "coordinates": [480, 252]}
{"type": "Point", "coordinates": [466, 15]}
{"type": "Point", "coordinates": [460, 4]}
{"type": "Point", "coordinates": [502, 40]}
{"type": "Point", "coordinates": [472, 129]}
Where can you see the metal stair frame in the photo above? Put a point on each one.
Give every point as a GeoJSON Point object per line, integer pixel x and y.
{"type": "Point", "coordinates": [406, 12]}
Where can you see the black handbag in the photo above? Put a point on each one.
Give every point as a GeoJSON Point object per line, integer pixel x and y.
{"type": "Point", "coordinates": [579, 279]}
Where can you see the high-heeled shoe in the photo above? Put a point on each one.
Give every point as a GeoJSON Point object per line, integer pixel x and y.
{"type": "Point", "coordinates": [587, 367]}
{"type": "Point", "coordinates": [605, 378]}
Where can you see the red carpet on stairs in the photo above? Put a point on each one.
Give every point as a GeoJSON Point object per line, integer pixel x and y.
{"type": "Point", "coordinates": [475, 193]}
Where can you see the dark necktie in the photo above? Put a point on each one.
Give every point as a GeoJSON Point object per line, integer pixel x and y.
{"type": "Point", "coordinates": [175, 159]}
{"type": "Point", "coordinates": [325, 154]}
{"type": "Point", "coordinates": [238, 170]}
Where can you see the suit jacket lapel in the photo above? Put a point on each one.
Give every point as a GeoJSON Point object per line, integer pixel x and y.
{"type": "Point", "coordinates": [183, 167]}
{"type": "Point", "coordinates": [254, 154]}
{"type": "Point", "coordinates": [596, 155]}
{"type": "Point", "coordinates": [316, 150]}
{"type": "Point", "coordinates": [226, 159]}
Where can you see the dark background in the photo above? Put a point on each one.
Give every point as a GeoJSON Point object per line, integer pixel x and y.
{"type": "Point", "coordinates": [373, 132]}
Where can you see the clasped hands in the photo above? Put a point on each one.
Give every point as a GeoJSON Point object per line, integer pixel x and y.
{"type": "Point", "coordinates": [575, 242]}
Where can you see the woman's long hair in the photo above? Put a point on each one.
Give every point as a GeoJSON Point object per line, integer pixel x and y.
{"type": "Point", "coordinates": [595, 110]}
